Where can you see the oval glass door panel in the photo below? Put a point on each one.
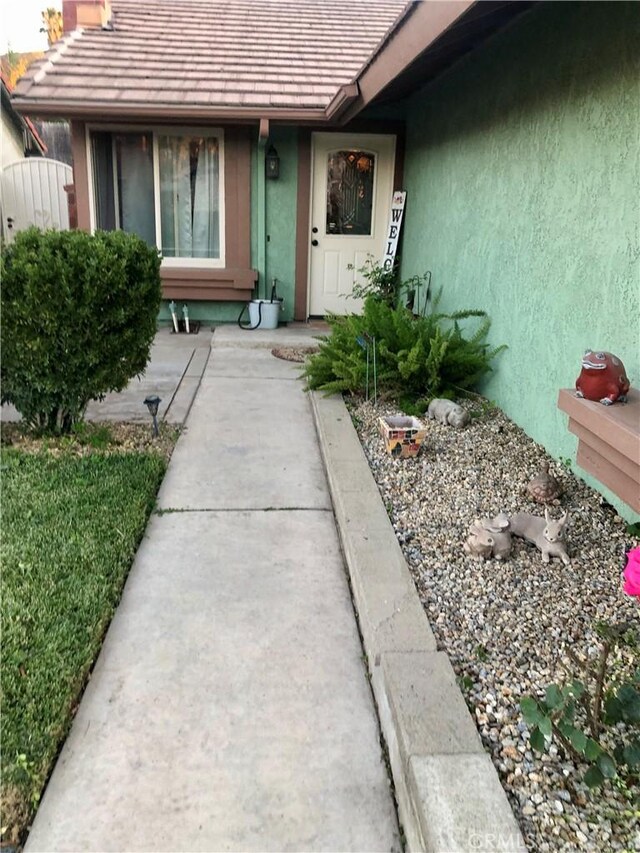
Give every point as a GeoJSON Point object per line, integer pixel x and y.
{"type": "Point", "coordinates": [350, 192]}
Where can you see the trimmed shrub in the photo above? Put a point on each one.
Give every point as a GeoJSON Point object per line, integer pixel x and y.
{"type": "Point", "coordinates": [78, 320]}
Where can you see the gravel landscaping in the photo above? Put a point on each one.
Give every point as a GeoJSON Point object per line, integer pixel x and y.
{"type": "Point", "coordinates": [507, 625]}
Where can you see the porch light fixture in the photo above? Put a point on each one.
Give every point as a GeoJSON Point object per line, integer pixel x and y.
{"type": "Point", "coordinates": [272, 163]}
{"type": "Point", "coordinates": [152, 404]}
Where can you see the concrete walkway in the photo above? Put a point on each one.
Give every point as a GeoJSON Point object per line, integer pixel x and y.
{"type": "Point", "coordinates": [229, 708]}
{"type": "Point", "coordinates": [176, 364]}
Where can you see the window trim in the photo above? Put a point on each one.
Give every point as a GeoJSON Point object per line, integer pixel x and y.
{"type": "Point", "coordinates": [165, 130]}
{"type": "Point", "coordinates": [116, 188]}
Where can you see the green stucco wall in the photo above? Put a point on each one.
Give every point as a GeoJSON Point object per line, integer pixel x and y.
{"type": "Point", "coordinates": [523, 182]}
{"type": "Point", "coordinates": [207, 312]}
{"type": "Point", "coordinates": [281, 218]}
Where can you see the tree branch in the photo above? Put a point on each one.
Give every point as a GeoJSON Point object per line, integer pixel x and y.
{"type": "Point", "coordinates": [567, 745]}
{"type": "Point", "coordinates": [597, 699]}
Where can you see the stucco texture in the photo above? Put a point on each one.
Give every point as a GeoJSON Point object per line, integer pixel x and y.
{"type": "Point", "coordinates": [208, 313]}
{"type": "Point", "coordinates": [281, 196]}
{"type": "Point", "coordinates": [277, 257]}
{"type": "Point", "coordinates": [523, 179]}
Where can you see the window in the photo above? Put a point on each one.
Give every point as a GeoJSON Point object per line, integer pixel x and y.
{"type": "Point", "coordinates": [164, 186]}
{"type": "Point", "coordinates": [189, 196]}
{"type": "Point", "coordinates": [350, 179]}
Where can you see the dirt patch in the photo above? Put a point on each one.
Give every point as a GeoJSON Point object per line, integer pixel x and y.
{"type": "Point", "coordinates": [98, 437]}
{"type": "Point", "coordinates": [194, 327]}
{"type": "Point", "coordinates": [298, 354]}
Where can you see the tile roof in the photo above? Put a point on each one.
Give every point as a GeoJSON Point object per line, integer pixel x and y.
{"type": "Point", "coordinates": [253, 54]}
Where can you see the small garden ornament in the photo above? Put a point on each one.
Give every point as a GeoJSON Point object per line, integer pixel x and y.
{"type": "Point", "coordinates": [402, 436]}
{"type": "Point", "coordinates": [489, 537]}
{"type": "Point", "coordinates": [446, 412]}
{"type": "Point", "coordinates": [479, 542]}
{"type": "Point", "coordinates": [546, 533]}
{"type": "Point", "coordinates": [172, 308]}
{"type": "Point", "coordinates": [602, 378]}
{"type": "Point", "coordinates": [544, 488]}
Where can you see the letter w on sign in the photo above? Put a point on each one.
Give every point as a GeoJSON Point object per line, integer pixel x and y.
{"type": "Point", "coordinates": [393, 231]}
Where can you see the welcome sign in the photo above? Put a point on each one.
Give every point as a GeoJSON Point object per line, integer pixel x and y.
{"type": "Point", "coordinates": [393, 231]}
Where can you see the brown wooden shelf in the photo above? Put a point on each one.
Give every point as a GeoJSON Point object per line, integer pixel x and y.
{"type": "Point", "coordinates": [608, 441]}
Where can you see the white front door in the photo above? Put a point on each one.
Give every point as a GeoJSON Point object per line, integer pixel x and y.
{"type": "Point", "coordinates": [351, 191]}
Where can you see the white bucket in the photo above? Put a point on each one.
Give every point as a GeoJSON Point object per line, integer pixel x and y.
{"type": "Point", "coordinates": [265, 313]}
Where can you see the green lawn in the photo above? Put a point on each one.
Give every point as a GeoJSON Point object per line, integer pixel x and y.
{"type": "Point", "coordinates": [70, 528]}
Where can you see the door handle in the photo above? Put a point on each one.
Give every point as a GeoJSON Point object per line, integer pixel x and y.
{"type": "Point", "coordinates": [314, 242]}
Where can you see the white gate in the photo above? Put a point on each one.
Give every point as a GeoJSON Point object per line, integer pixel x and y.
{"type": "Point", "coordinates": [33, 194]}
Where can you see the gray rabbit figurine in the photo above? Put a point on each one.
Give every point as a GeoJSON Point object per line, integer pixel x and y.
{"type": "Point", "coordinates": [546, 533]}
{"type": "Point", "coordinates": [489, 537]}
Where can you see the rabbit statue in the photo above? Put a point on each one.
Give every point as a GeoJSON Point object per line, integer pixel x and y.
{"type": "Point", "coordinates": [546, 533]}
{"type": "Point", "coordinates": [489, 537]}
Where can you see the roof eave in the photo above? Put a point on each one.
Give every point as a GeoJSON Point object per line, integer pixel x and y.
{"type": "Point", "coordinates": [39, 143]}
{"type": "Point", "coordinates": [83, 110]}
{"type": "Point", "coordinates": [420, 25]}
{"type": "Point", "coordinates": [342, 100]}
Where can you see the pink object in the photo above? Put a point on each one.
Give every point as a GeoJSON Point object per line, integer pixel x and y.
{"type": "Point", "coordinates": [602, 378]}
{"type": "Point", "coordinates": [632, 573]}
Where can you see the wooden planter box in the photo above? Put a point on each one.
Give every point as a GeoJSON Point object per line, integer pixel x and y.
{"type": "Point", "coordinates": [402, 436]}
{"type": "Point", "coordinates": [608, 442]}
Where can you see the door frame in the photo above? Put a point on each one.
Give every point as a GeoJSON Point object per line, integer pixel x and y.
{"type": "Point", "coordinates": [305, 178]}
{"type": "Point", "coordinates": [321, 144]}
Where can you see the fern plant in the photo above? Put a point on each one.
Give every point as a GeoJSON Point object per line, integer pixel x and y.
{"type": "Point", "coordinates": [418, 357]}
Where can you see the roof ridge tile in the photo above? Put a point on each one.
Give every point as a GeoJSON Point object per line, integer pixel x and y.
{"type": "Point", "coordinates": [52, 56]}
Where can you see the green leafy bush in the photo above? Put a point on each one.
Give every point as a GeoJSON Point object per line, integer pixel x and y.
{"type": "Point", "coordinates": [78, 319]}
{"type": "Point", "coordinates": [578, 713]}
{"type": "Point", "coordinates": [384, 283]}
{"type": "Point", "coordinates": [417, 357]}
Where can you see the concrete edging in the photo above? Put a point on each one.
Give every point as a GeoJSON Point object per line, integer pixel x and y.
{"type": "Point", "coordinates": [449, 796]}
